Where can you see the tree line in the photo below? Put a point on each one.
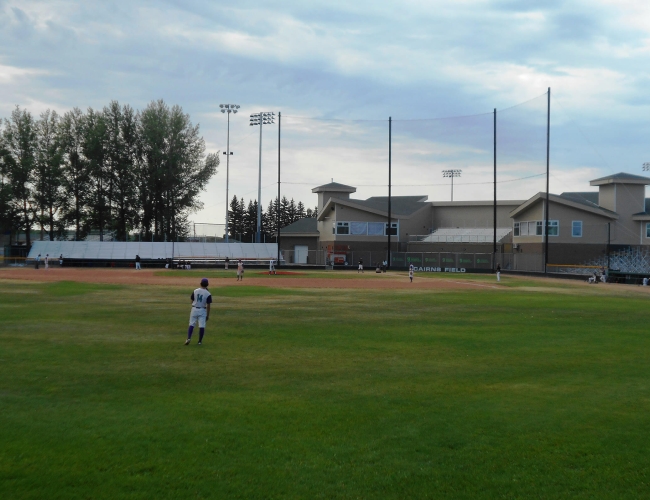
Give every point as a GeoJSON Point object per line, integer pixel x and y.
{"type": "Point", "coordinates": [242, 217]}
{"type": "Point", "coordinates": [114, 170]}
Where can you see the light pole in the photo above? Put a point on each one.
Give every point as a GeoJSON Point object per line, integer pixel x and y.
{"type": "Point", "coordinates": [228, 108]}
{"type": "Point", "coordinates": [263, 118]}
{"type": "Point", "coordinates": [452, 173]}
{"type": "Point", "coordinates": [646, 166]}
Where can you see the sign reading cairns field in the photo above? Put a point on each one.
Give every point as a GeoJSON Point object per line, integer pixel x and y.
{"type": "Point", "coordinates": [440, 269]}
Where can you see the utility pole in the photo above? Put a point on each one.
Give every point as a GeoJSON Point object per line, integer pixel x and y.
{"type": "Point", "coordinates": [228, 108]}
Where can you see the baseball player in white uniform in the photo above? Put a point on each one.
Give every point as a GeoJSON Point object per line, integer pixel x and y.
{"type": "Point", "coordinates": [240, 270]}
{"type": "Point", "coordinates": [201, 300]}
{"type": "Point", "coordinates": [47, 261]}
{"type": "Point", "coordinates": [271, 266]}
{"type": "Point", "coordinates": [411, 269]}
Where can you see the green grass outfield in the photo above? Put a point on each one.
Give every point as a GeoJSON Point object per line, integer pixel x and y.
{"type": "Point", "coordinates": [533, 390]}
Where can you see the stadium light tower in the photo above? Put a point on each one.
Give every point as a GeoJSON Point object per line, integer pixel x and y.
{"type": "Point", "coordinates": [452, 173]}
{"type": "Point", "coordinates": [646, 167]}
{"type": "Point", "coordinates": [263, 118]}
{"type": "Point", "coordinates": [228, 108]}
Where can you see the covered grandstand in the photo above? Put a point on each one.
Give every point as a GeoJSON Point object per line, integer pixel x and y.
{"type": "Point", "coordinates": [465, 235]}
{"type": "Point", "coordinates": [120, 252]}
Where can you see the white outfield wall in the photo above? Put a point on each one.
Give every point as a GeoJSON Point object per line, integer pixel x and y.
{"type": "Point", "coordinates": [115, 250]}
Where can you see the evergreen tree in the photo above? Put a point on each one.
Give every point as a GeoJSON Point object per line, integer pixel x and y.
{"type": "Point", "coordinates": [285, 217]}
{"type": "Point", "coordinates": [48, 178]}
{"type": "Point", "coordinates": [76, 177]}
{"type": "Point", "coordinates": [270, 218]}
{"type": "Point", "coordinates": [250, 221]}
{"type": "Point", "coordinates": [94, 147]}
{"type": "Point", "coordinates": [300, 211]}
{"type": "Point", "coordinates": [309, 214]}
{"type": "Point", "coordinates": [9, 219]}
{"type": "Point", "coordinates": [292, 215]}
{"type": "Point", "coordinates": [236, 218]}
{"type": "Point", "coordinates": [175, 169]}
{"type": "Point", "coordinates": [19, 146]}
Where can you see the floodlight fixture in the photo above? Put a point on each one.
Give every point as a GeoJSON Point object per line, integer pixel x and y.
{"type": "Point", "coordinates": [646, 166]}
{"type": "Point", "coordinates": [453, 172]}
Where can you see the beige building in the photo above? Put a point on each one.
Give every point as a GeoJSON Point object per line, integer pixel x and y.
{"type": "Point", "coordinates": [585, 225]}
{"type": "Point", "coordinates": [582, 225]}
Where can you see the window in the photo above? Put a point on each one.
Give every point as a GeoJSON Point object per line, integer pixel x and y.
{"type": "Point", "coordinates": [553, 227]}
{"type": "Point", "coordinates": [516, 232]}
{"type": "Point", "coordinates": [393, 229]}
{"type": "Point", "coordinates": [576, 229]}
{"type": "Point", "coordinates": [647, 230]}
{"type": "Point", "coordinates": [342, 228]}
{"type": "Point", "coordinates": [539, 228]}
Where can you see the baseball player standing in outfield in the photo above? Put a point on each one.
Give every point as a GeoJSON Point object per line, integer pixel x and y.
{"type": "Point", "coordinates": [201, 300]}
{"type": "Point", "coordinates": [47, 261]}
{"type": "Point", "coordinates": [360, 270]}
{"type": "Point", "coordinates": [240, 270]}
{"type": "Point", "coordinates": [411, 269]}
{"type": "Point", "coordinates": [61, 260]}
{"type": "Point", "coordinates": [498, 272]}
{"type": "Point", "coordinates": [137, 262]}
{"type": "Point", "coordinates": [37, 261]}
{"type": "Point", "coordinates": [271, 266]}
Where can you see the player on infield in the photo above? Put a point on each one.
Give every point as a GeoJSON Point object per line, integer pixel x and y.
{"type": "Point", "coordinates": [201, 300]}
{"type": "Point", "coordinates": [271, 266]}
{"type": "Point", "coordinates": [240, 270]}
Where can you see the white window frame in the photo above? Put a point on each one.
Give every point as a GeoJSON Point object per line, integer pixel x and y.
{"type": "Point", "coordinates": [345, 225]}
{"type": "Point", "coordinates": [539, 228]}
{"type": "Point", "coordinates": [554, 224]}
{"type": "Point", "coordinates": [393, 225]}
{"type": "Point", "coordinates": [576, 224]}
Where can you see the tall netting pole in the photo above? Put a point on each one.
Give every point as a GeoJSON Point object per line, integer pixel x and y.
{"type": "Point", "coordinates": [494, 249]}
{"type": "Point", "coordinates": [548, 151]}
{"type": "Point", "coordinates": [389, 230]}
{"type": "Point", "coordinates": [278, 214]}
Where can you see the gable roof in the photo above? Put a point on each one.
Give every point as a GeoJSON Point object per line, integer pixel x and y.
{"type": "Point", "coordinates": [305, 225]}
{"type": "Point", "coordinates": [401, 206]}
{"type": "Point", "coordinates": [554, 198]}
{"type": "Point", "coordinates": [620, 178]}
{"type": "Point", "coordinates": [589, 197]}
{"type": "Point", "coordinates": [334, 187]}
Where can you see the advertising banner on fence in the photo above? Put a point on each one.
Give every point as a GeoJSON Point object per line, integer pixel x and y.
{"type": "Point", "coordinates": [442, 262]}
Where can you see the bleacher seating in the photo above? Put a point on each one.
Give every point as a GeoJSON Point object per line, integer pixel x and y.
{"type": "Point", "coordinates": [114, 250]}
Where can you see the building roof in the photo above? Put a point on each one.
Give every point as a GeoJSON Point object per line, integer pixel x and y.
{"type": "Point", "coordinates": [554, 198]}
{"type": "Point", "coordinates": [302, 226]}
{"type": "Point", "coordinates": [621, 178]}
{"type": "Point", "coordinates": [334, 187]}
{"type": "Point", "coordinates": [401, 206]}
{"type": "Point", "coordinates": [588, 197]}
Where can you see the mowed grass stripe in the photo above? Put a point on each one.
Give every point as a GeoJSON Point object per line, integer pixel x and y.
{"type": "Point", "coordinates": [321, 393]}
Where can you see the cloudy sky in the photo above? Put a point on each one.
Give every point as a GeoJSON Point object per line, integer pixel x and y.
{"type": "Point", "coordinates": [337, 70]}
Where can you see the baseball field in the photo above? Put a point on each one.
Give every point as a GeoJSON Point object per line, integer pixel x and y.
{"type": "Point", "coordinates": [322, 385]}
